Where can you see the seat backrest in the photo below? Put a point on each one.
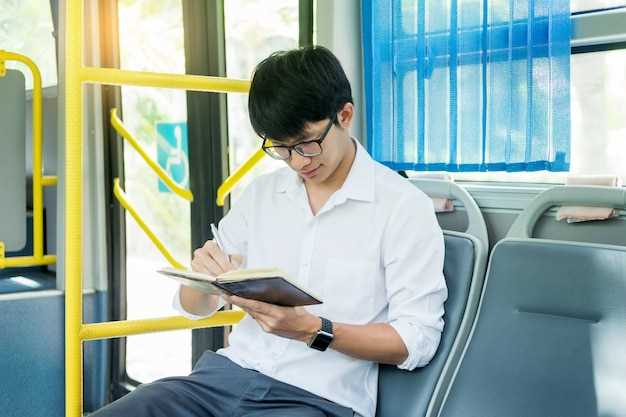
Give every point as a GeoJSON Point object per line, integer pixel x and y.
{"type": "Point", "coordinates": [550, 335]}
{"type": "Point", "coordinates": [550, 339]}
{"type": "Point", "coordinates": [411, 393]}
{"type": "Point", "coordinates": [12, 160]}
{"type": "Point", "coordinates": [404, 393]}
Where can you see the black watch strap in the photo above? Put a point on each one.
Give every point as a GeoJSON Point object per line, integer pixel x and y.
{"type": "Point", "coordinates": [324, 336]}
{"type": "Point", "coordinates": [327, 325]}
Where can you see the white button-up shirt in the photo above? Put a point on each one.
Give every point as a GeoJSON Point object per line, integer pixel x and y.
{"type": "Point", "coordinates": [374, 253]}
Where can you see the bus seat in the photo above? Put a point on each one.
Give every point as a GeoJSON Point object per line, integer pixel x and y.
{"type": "Point", "coordinates": [411, 393]}
{"type": "Point", "coordinates": [550, 333]}
{"type": "Point", "coordinates": [32, 362]}
{"type": "Point", "coordinates": [33, 278]}
{"type": "Point", "coordinates": [13, 165]}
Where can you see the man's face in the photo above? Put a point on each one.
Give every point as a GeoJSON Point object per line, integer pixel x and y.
{"type": "Point", "coordinates": [318, 169]}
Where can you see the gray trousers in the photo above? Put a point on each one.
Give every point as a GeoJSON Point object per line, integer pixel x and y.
{"type": "Point", "coordinates": [218, 387]}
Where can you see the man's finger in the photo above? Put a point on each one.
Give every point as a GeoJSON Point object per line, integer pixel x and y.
{"type": "Point", "coordinates": [236, 261]}
{"type": "Point", "coordinates": [202, 263]}
{"type": "Point", "coordinates": [217, 255]}
{"type": "Point", "coordinates": [238, 301]}
{"type": "Point", "coordinates": [252, 314]}
{"type": "Point", "coordinates": [255, 308]}
{"type": "Point", "coordinates": [259, 306]}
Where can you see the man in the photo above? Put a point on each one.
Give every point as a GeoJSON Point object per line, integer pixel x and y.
{"type": "Point", "coordinates": [345, 227]}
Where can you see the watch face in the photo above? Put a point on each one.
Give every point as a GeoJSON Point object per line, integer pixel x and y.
{"type": "Point", "coordinates": [322, 340]}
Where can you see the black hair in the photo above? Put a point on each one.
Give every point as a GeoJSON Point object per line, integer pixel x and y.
{"type": "Point", "coordinates": [292, 88]}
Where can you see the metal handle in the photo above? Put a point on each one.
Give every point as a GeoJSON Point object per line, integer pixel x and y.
{"type": "Point", "coordinates": [230, 182]}
{"type": "Point", "coordinates": [447, 189]}
{"type": "Point", "coordinates": [594, 196]}
{"type": "Point", "coordinates": [119, 127]}
{"type": "Point", "coordinates": [121, 197]}
{"type": "Point", "coordinates": [39, 181]}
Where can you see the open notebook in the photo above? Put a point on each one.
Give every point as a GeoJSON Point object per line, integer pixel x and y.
{"type": "Point", "coordinates": [270, 285]}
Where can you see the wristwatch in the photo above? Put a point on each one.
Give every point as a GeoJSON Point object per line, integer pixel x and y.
{"type": "Point", "coordinates": [324, 336]}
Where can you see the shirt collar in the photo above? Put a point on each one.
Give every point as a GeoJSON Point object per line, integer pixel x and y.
{"type": "Point", "coordinates": [359, 184]}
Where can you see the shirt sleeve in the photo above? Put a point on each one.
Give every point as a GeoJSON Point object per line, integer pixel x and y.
{"type": "Point", "coordinates": [413, 254]}
{"type": "Point", "coordinates": [179, 307]}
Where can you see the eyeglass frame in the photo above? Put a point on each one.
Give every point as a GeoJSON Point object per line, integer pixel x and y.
{"type": "Point", "coordinates": [292, 148]}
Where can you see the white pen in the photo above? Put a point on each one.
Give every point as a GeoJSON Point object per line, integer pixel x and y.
{"type": "Point", "coordinates": [216, 238]}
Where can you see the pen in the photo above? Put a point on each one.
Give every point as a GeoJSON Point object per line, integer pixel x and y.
{"type": "Point", "coordinates": [216, 237]}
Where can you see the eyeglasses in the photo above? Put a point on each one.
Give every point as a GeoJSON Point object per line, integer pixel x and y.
{"type": "Point", "coordinates": [306, 149]}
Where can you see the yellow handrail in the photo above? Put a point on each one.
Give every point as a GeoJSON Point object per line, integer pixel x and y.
{"type": "Point", "coordinates": [75, 75]}
{"type": "Point", "coordinates": [132, 327]}
{"type": "Point", "coordinates": [236, 176]}
{"type": "Point", "coordinates": [39, 181]}
{"type": "Point", "coordinates": [121, 196]}
{"type": "Point", "coordinates": [49, 180]}
{"type": "Point", "coordinates": [123, 132]}
{"type": "Point", "coordinates": [160, 80]}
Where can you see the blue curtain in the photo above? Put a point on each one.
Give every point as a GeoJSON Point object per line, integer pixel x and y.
{"type": "Point", "coordinates": [468, 85]}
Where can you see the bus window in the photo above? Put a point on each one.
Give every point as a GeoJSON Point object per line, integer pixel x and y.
{"type": "Point", "coordinates": [151, 39]}
{"type": "Point", "coordinates": [597, 90]}
{"type": "Point", "coordinates": [35, 39]}
{"type": "Point", "coordinates": [598, 124]}
{"type": "Point", "coordinates": [254, 29]}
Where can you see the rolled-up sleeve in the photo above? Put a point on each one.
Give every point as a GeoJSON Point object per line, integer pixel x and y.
{"type": "Point", "coordinates": [413, 254]}
{"type": "Point", "coordinates": [179, 307]}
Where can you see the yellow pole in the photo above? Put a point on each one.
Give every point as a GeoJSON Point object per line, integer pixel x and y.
{"type": "Point", "coordinates": [121, 197]}
{"type": "Point", "coordinates": [38, 183]}
{"type": "Point", "coordinates": [123, 132]}
{"type": "Point", "coordinates": [230, 182]}
{"type": "Point", "coordinates": [73, 208]}
{"type": "Point", "coordinates": [26, 261]}
{"type": "Point", "coordinates": [133, 327]}
{"type": "Point", "coordinates": [162, 80]}
{"type": "Point", "coordinates": [49, 180]}
{"type": "Point", "coordinates": [37, 168]}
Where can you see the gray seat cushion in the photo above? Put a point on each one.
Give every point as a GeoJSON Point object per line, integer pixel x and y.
{"type": "Point", "coordinates": [13, 161]}
{"type": "Point", "coordinates": [550, 337]}
{"type": "Point", "coordinates": [403, 393]}
{"type": "Point", "coordinates": [23, 279]}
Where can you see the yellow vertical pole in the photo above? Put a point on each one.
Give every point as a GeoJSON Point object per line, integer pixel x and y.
{"type": "Point", "coordinates": [73, 207]}
{"type": "Point", "coordinates": [37, 167]}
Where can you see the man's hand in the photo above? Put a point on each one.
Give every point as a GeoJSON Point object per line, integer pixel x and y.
{"type": "Point", "coordinates": [376, 342]}
{"type": "Point", "coordinates": [211, 260]}
{"type": "Point", "coordinates": [289, 322]}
